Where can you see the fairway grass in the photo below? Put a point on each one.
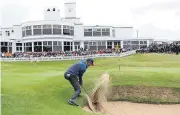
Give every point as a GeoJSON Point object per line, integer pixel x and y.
{"type": "Point", "coordinates": [40, 88]}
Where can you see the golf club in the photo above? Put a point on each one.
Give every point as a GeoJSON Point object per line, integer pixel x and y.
{"type": "Point", "coordinates": [84, 90]}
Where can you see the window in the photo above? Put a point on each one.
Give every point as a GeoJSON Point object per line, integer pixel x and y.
{"type": "Point", "coordinates": [66, 30]}
{"type": "Point", "coordinates": [96, 32]}
{"type": "Point", "coordinates": [54, 43]}
{"type": "Point", "coordinates": [10, 44]}
{"type": "Point", "coordinates": [37, 43]}
{"type": "Point", "coordinates": [105, 32]}
{"type": "Point", "coordinates": [94, 43]}
{"type": "Point", "coordinates": [56, 29]}
{"type": "Point", "coordinates": [6, 43]}
{"type": "Point", "coordinates": [76, 43]}
{"type": "Point", "coordinates": [37, 26]}
{"type": "Point", "coordinates": [87, 32]}
{"type": "Point", "coordinates": [0, 33]}
{"type": "Point", "coordinates": [49, 43]}
{"type": "Point", "coordinates": [28, 44]}
{"type": "Point", "coordinates": [7, 33]}
{"type": "Point", "coordinates": [47, 29]}
{"type": "Point", "coordinates": [59, 43]}
{"type": "Point", "coordinates": [18, 44]}
{"type": "Point", "coordinates": [37, 29]}
{"type": "Point", "coordinates": [19, 47]}
{"type": "Point", "coordinates": [28, 47]}
{"type": "Point", "coordinates": [28, 31]}
{"type": "Point", "coordinates": [45, 43]}
{"type": "Point", "coordinates": [23, 32]}
{"type": "Point", "coordinates": [117, 43]}
{"type": "Point", "coordinates": [113, 33]}
{"type": "Point", "coordinates": [109, 43]}
{"type": "Point", "coordinates": [143, 42]}
{"type": "Point", "coordinates": [71, 30]}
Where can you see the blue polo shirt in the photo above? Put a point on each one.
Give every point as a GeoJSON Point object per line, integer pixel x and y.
{"type": "Point", "coordinates": [77, 69]}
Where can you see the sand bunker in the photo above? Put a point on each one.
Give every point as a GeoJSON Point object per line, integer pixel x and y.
{"type": "Point", "coordinates": [127, 108]}
{"type": "Point", "coordinates": [97, 103]}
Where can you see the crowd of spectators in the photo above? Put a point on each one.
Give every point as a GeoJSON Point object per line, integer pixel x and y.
{"type": "Point", "coordinates": [161, 48]}
{"type": "Point", "coordinates": [60, 53]}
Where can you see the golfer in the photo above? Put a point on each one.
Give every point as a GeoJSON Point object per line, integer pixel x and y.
{"type": "Point", "coordinates": [74, 75]}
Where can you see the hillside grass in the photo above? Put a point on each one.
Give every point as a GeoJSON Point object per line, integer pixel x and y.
{"type": "Point", "coordinates": [40, 88]}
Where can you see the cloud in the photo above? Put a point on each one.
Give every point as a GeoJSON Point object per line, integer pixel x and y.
{"type": "Point", "coordinates": [13, 14]}
{"type": "Point", "coordinates": [149, 30]}
{"type": "Point", "coordinates": [159, 6]}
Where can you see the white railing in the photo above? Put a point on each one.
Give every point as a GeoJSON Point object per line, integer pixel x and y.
{"type": "Point", "coordinates": [68, 57]}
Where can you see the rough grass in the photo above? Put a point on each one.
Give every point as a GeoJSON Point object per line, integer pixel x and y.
{"type": "Point", "coordinates": [40, 88]}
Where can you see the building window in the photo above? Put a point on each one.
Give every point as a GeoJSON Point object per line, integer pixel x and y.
{"type": "Point", "coordinates": [45, 43]}
{"type": "Point", "coordinates": [37, 29]}
{"type": "Point", "coordinates": [7, 33]}
{"type": "Point", "coordinates": [37, 46]}
{"type": "Point", "coordinates": [28, 31]}
{"type": "Point", "coordinates": [28, 47]}
{"type": "Point", "coordinates": [109, 45]}
{"type": "Point", "coordinates": [87, 32]}
{"type": "Point", "coordinates": [55, 43]}
{"type": "Point", "coordinates": [141, 42]}
{"type": "Point", "coordinates": [96, 32]}
{"type": "Point", "coordinates": [66, 30]}
{"type": "Point", "coordinates": [71, 31]}
{"type": "Point", "coordinates": [19, 47]}
{"type": "Point", "coordinates": [23, 32]}
{"type": "Point", "coordinates": [56, 29]}
{"type": "Point", "coordinates": [117, 43]}
{"type": "Point", "coordinates": [92, 46]}
{"type": "Point", "coordinates": [57, 46]}
{"type": "Point", "coordinates": [113, 33]}
{"type": "Point", "coordinates": [67, 46]}
{"type": "Point", "coordinates": [0, 33]}
{"type": "Point", "coordinates": [47, 46]}
{"type": "Point", "coordinates": [77, 46]}
{"type": "Point", "coordinates": [47, 29]}
{"type": "Point", "coordinates": [105, 32]}
{"type": "Point", "coordinates": [101, 45]}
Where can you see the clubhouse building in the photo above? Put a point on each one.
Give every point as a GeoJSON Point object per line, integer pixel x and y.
{"type": "Point", "coordinates": [68, 33]}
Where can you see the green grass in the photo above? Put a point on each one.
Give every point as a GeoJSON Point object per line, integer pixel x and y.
{"type": "Point", "coordinates": [40, 88]}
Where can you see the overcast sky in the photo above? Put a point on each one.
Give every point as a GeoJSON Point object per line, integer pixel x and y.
{"type": "Point", "coordinates": [153, 18]}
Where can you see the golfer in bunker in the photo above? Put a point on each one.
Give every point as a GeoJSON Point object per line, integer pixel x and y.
{"type": "Point", "coordinates": [74, 75]}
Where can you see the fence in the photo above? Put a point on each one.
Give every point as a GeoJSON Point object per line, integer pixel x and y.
{"type": "Point", "coordinates": [68, 57]}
